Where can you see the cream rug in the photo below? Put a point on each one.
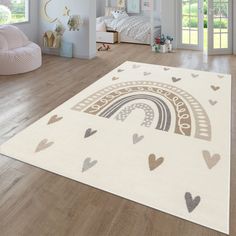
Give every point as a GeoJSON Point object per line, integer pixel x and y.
{"type": "Point", "coordinates": [156, 135]}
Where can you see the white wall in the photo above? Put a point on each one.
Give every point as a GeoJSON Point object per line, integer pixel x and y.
{"type": "Point", "coordinates": [84, 41]}
{"type": "Point", "coordinates": [31, 28]}
{"type": "Point", "coordinates": [234, 26]}
{"type": "Point", "coordinates": [168, 19]}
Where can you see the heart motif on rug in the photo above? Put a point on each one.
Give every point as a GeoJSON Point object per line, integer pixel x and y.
{"type": "Point", "coordinates": [166, 68]}
{"type": "Point", "coordinates": [220, 76]}
{"type": "Point", "coordinates": [147, 73]}
{"type": "Point", "coordinates": [215, 88]}
{"type": "Point", "coordinates": [137, 138]}
{"type": "Point", "coordinates": [88, 164]}
{"type": "Point", "coordinates": [54, 119]}
{"type": "Point", "coordinates": [120, 70]}
{"type": "Point", "coordinates": [155, 162]}
{"type": "Point", "coordinates": [191, 203]}
{"type": "Point", "coordinates": [213, 103]}
{"type": "Point", "coordinates": [195, 75]}
{"type": "Point", "coordinates": [115, 78]}
{"type": "Point", "coordinates": [211, 160]}
{"type": "Point", "coordinates": [89, 132]}
{"type": "Point", "coordinates": [136, 66]}
{"type": "Point", "coordinates": [44, 144]}
{"type": "Point", "coordinates": [174, 79]}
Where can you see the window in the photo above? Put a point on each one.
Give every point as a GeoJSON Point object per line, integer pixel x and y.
{"type": "Point", "coordinates": [14, 11]}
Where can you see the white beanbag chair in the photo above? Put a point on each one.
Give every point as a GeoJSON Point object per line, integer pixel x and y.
{"type": "Point", "coordinates": [17, 53]}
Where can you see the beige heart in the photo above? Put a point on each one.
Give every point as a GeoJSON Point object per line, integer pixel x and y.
{"type": "Point", "coordinates": [44, 144]}
{"type": "Point", "coordinates": [211, 161]}
{"type": "Point", "coordinates": [115, 78]}
{"type": "Point", "coordinates": [215, 88]}
{"type": "Point", "coordinates": [155, 162]}
{"type": "Point", "coordinates": [54, 119]}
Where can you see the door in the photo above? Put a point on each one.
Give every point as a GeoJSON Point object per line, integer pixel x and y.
{"type": "Point", "coordinates": [190, 24]}
{"type": "Point", "coordinates": [220, 27]}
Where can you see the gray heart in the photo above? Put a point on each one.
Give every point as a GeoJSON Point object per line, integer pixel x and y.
{"type": "Point", "coordinates": [136, 66]}
{"type": "Point", "coordinates": [147, 73]}
{"type": "Point", "coordinates": [195, 75]}
{"type": "Point", "coordinates": [213, 103]}
{"type": "Point", "coordinates": [137, 138]}
{"type": "Point", "coordinates": [120, 70]}
{"type": "Point", "coordinates": [191, 203]}
{"type": "Point", "coordinates": [166, 68]}
{"type": "Point", "coordinates": [88, 163]}
{"type": "Point", "coordinates": [174, 79]}
{"type": "Point", "coordinates": [220, 76]}
{"type": "Point", "coordinates": [89, 132]}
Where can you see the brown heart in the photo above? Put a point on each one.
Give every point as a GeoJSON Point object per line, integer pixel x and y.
{"type": "Point", "coordinates": [115, 78]}
{"type": "Point", "coordinates": [213, 103]}
{"type": "Point", "coordinates": [211, 161]}
{"type": "Point", "coordinates": [155, 162]}
{"type": "Point", "coordinates": [54, 119]}
{"type": "Point", "coordinates": [44, 144]}
{"type": "Point", "coordinates": [215, 88]}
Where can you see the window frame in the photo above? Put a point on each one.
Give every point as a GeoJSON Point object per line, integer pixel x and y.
{"type": "Point", "coordinates": [27, 14]}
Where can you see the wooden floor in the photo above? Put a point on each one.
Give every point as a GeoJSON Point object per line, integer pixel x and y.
{"type": "Point", "coordinates": [35, 202]}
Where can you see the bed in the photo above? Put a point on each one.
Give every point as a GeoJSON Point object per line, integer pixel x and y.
{"type": "Point", "coordinates": [131, 29]}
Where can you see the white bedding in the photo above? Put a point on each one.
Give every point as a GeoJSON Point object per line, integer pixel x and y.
{"type": "Point", "coordinates": [137, 28]}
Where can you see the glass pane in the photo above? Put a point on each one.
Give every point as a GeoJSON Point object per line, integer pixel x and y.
{"type": "Point", "coordinates": [194, 8]}
{"type": "Point", "coordinates": [194, 23]}
{"type": "Point", "coordinates": [194, 37]}
{"type": "Point", "coordinates": [224, 40]}
{"type": "Point", "coordinates": [224, 23]}
{"type": "Point", "coordinates": [185, 37]}
{"type": "Point", "coordinates": [224, 9]}
{"type": "Point", "coordinates": [216, 41]}
{"type": "Point", "coordinates": [185, 22]}
{"type": "Point", "coordinates": [185, 8]}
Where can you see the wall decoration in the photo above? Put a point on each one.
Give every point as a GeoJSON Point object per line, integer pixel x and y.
{"type": "Point", "coordinates": [74, 23]}
{"type": "Point", "coordinates": [121, 3]}
{"type": "Point", "coordinates": [147, 5]}
{"type": "Point", "coordinates": [133, 6]}
{"type": "Point", "coordinates": [66, 11]}
{"type": "Point", "coordinates": [44, 12]}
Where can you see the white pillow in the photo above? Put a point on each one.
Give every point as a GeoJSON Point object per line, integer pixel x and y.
{"type": "Point", "coordinates": [119, 14]}
{"type": "Point", "coordinates": [101, 27]}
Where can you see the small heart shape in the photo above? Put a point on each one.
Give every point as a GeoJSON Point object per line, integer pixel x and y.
{"type": "Point", "coordinates": [115, 78]}
{"type": "Point", "coordinates": [154, 162]}
{"type": "Point", "coordinates": [166, 68]}
{"type": "Point", "coordinates": [220, 76]}
{"type": "Point", "coordinates": [137, 138]}
{"type": "Point", "coordinates": [120, 70]}
{"type": "Point", "coordinates": [211, 160]}
{"type": "Point", "coordinates": [88, 164]}
{"type": "Point", "coordinates": [215, 88]}
{"type": "Point", "coordinates": [213, 103]}
{"type": "Point", "coordinates": [44, 144]}
{"type": "Point", "coordinates": [190, 202]}
{"type": "Point", "coordinates": [89, 132]}
{"type": "Point", "coordinates": [136, 66]}
{"type": "Point", "coordinates": [147, 73]}
{"type": "Point", "coordinates": [195, 75]}
{"type": "Point", "coordinates": [174, 79]}
{"type": "Point", "coordinates": [54, 119]}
